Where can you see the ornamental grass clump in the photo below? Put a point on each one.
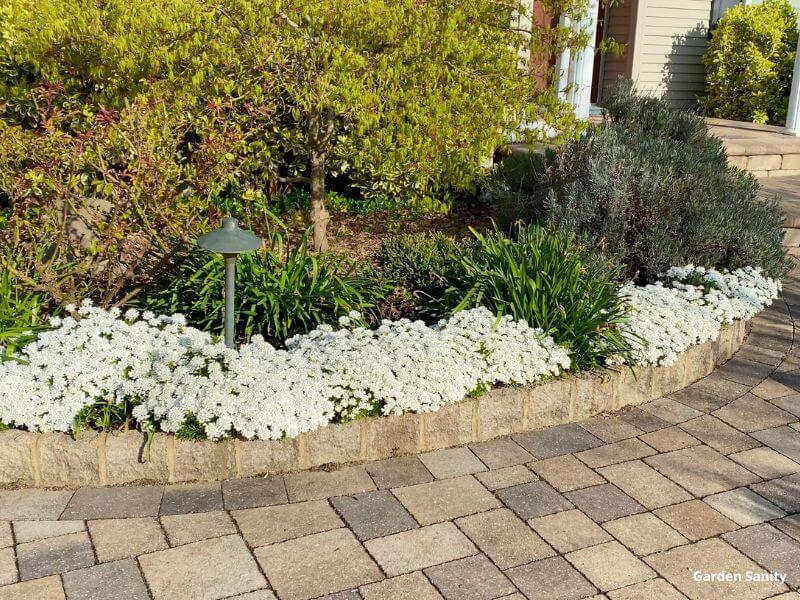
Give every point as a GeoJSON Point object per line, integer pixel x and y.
{"type": "Point", "coordinates": [548, 280]}
{"type": "Point", "coordinates": [280, 291]}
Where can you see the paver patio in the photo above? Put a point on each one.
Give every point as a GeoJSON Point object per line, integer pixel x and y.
{"type": "Point", "coordinates": [622, 507]}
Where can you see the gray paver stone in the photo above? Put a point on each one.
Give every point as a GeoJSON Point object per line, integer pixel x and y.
{"type": "Point", "coordinates": [397, 472]}
{"type": "Point", "coordinates": [535, 499]}
{"type": "Point", "coordinates": [772, 549]}
{"type": "Point", "coordinates": [191, 498]}
{"type": "Point", "coordinates": [551, 579]}
{"type": "Point", "coordinates": [54, 555]}
{"type": "Point", "coordinates": [373, 514]}
{"type": "Point", "coordinates": [120, 580]}
{"type": "Point", "coordinates": [253, 492]}
{"type": "Point", "coordinates": [604, 502]}
{"type": "Point", "coordinates": [564, 439]}
{"type": "Point", "coordinates": [114, 503]}
{"type": "Point", "coordinates": [783, 492]}
{"type": "Point", "coordinates": [471, 578]}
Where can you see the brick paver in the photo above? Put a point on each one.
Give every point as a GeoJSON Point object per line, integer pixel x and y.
{"type": "Point", "coordinates": [626, 506]}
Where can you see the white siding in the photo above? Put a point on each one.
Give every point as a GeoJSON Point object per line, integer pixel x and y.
{"type": "Point", "coordinates": [672, 37]}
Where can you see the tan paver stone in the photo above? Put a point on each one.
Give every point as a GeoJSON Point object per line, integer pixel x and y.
{"type": "Point", "coordinates": [30, 531]}
{"type": "Point", "coordinates": [551, 579]}
{"type": "Point", "coordinates": [8, 567]}
{"type": "Point", "coordinates": [720, 436]}
{"type": "Point", "coordinates": [446, 499]}
{"type": "Point", "coordinates": [202, 571]}
{"type": "Point", "coordinates": [644, 484]}
{"type": "Point", "coordinates": [770, 389]}
{"type": "Point", "coordinates": [322, 563]}
{"type": "Point", "coordinates": [787, 596]}
{"type": "Point", "coordinates": [618, 452]}
{"type": "Point", "coordinates": [413, 586]}
{"type": "Point", "coordinates": [565, 473]}
{"type": "Point", "coordinates": [32, 504]}
{"type": "Point", "coordinates": [669, 439]}
{"type": "Point", "coordinates": [317, 485]}
{"type": "Point", "coordinates": [500, 453]}
{"type": "Point", "coordinates": [452, 462]}
{"type": "Point", "coordinates": [701, 470]}
{"type": "Point", "coordinates": [503, 478]}
{"type": "Point", "coordinates": [193, 527]}
{"type": "Point", "coordinates": [645, 533]}
{"type": "Point", "coordinates": [504, 538]}
{"type": "Point", "coordinates": [695, 519]}
{"type": "Point", "coordinates": [611, 429]}
{"type": "Point", "coordinates": [46, 588]}
{"type": "Point", "coordinates": [471, 578]}
{"type": "Point", "coordinates": [766, 462]}
{"type": "Point", "coordinates": [744, 506]}
{"type": "Point", "coordinates": [257, 595]}
{"type": "Point", "coordinates": [115, 539]}
{"type": "Point", "coordinates": [270, 524]}
{"type": "Point", "coordinates": [671, 411]}
{"type": "Point", "coordinates": [679, 565]}
{"type": "Point", "coordinates": [569, 530]}
{"type": "Point", "coordinates": [654, 589]}
{"type": "Point", "coordinates": [6, 537]}
{"type": "Point", "coordinates": [789, 525]}
{"type": "Point", "coordinates": [610, 566]}
{"type": "Point", "coordinates": [420, 548]}
{"type": "Point", "coordinates": [750, 413]}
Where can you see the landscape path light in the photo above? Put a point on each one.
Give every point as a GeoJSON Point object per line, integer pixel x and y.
{"type": "Point", "coordinates": [230, 241]}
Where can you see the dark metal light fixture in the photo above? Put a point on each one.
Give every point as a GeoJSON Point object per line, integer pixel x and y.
{"type": "Point", "coordinates": [230, 241]}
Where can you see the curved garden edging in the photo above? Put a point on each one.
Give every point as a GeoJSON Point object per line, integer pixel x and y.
{"type": "Point", "coordinates": [59, 460]}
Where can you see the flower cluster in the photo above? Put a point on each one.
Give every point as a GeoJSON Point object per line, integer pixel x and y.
{"type": "Point", "coordinates": [689, 306]}
{"type": "Point", "coordinates": [171, 372]}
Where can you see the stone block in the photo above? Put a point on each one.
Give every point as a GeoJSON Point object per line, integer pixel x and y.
{"type": "Point", "coordinates": [548, 403]}
{"type": "Point", "coordinates": [69, 462]}
{"type": "Point", "coordinates": [449, 426]}
{"type": "Point", "coordinates": [261, 457]}
{"type": "Point", "coordinates": [203, 461]}
{"type": "Point", "coordinates": [391, 436]}
{"type": "Point", "coordinates": [790, 162]}
{"type": "Point", "coordinates": [127, 460]}
{"type": "Point", "coordinates": [593, 395]}
{"type": "Point", "coordinates": [764, 162]}
{"type": "Point", "coordinates": [338, 443]}
{"type": "Point", "coordinates": [699, 362]}
{"type": "Point", "coordinates": [501, 411]}
{"type": "Point", "coordinates": [738, 161]}
{"type": "Point", "coordinates": [667, 379]}
{"type": "Point", "coordinates": [723, 345]}
{"type": "Point", "coordinates": [634, 386]}
{"type": "Point", "coordinates": [16, 467]}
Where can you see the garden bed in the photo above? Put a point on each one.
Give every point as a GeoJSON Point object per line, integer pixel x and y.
{"type": "Point", "coordinates": [93, 458]}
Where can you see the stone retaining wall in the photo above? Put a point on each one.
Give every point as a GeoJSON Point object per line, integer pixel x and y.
{"type": "Point", "coordinates": [57, 460]}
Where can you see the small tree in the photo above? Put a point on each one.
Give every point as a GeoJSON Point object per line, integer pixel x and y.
{"type": "Point", "coordinates": [410, 96]}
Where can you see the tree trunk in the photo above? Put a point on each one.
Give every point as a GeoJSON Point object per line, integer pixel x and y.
{"type": "Point", "coordinates": [317, 140]}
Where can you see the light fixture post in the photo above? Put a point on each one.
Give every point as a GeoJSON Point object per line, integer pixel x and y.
{"type": "Point", "coordinates": [230, 241]}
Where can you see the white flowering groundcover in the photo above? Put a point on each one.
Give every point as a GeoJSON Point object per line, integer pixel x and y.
{"type": "Point", "coordinates": [170, 372]}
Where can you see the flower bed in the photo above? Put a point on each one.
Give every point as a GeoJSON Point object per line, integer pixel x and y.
{"type": "Point", "coordinates": [170, 374]}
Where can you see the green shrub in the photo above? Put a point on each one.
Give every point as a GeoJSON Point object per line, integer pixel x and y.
{"type": "Point", "coordinates": [548, 280]}
{"type": "Point", "coordinates": [420, 262]}
{"type": "Point", "coordinates": [278, 293]}
{"type": "Point", "coordinates": [749, 63]}
{"type": "Point", "coordinates": [651, 189]}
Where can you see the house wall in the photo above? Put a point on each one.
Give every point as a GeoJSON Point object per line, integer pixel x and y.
{"type": "Point", "coordinates": [671, 38]}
